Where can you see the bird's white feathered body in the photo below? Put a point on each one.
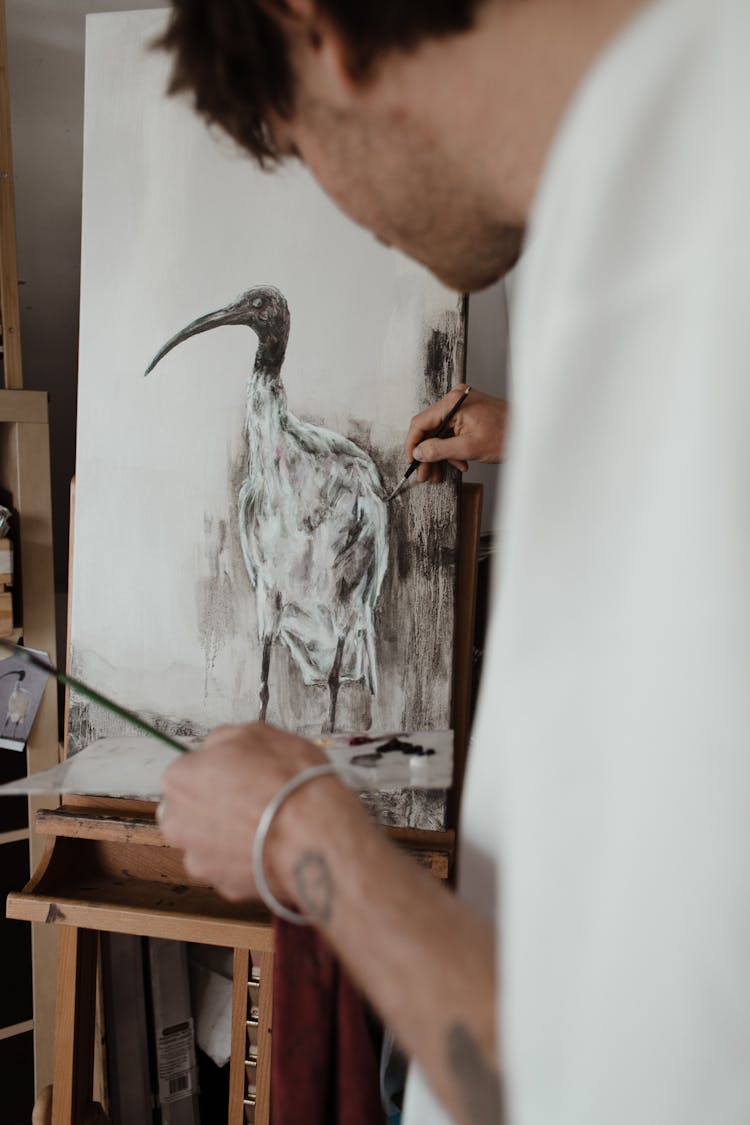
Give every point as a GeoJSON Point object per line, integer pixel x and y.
{"type": "Point", "coordinates": [314, 534]}
{"type": "Point", "coordinates": [312, 514]}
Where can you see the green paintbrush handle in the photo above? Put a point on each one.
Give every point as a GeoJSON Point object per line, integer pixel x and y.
{"type": "Point", "coordinates": [116, 709]}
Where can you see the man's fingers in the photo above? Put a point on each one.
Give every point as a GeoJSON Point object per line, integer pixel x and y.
{"type": "Point", "coordinates": [433, 473]}
{"type": "Point", "coordinates": [441, 449]}
{"type": "Point", "coordinates": [196, 868]}
{"type": "Point", "coordinates": [235, 892]}
{"type": "Point", "coordinates": [430, 474]}
{"type": "Point", "coordinates": [428, 420]}
{"type": "Point", "coordinates": [424, 424]}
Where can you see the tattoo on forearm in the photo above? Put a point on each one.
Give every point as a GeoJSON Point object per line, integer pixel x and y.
{"type": "Point", "coordinates": [314, 885]}
{"type": "Point", "coordinates": [478, 1081]}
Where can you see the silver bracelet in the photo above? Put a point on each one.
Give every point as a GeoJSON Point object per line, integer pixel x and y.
{"type": "Point", "coordinates": [264, 824]}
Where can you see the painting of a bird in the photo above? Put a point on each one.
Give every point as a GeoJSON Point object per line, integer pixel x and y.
{"type": "Point", "coordinates": [313, 522]}
{"type": "Point", "coordinates": [19, 704]}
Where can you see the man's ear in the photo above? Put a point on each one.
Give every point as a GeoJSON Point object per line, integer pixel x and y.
{"type": "Point", "coordinates": [334, 53]}
{"type": "Point", "coordinates": [321, 40]}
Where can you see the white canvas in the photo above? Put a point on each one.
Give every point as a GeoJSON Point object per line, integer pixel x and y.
{"type": "Point", "coordinates": [167, 614]}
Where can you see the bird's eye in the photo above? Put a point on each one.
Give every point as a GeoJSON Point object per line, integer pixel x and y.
{"type": "Point", "coordinates": [257, 302]}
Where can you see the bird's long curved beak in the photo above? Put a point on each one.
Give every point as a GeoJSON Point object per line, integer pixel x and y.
{"type": "Point", "coordinates": [202, 324]}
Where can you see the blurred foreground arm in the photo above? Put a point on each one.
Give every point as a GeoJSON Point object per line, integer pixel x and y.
{"type": "Point", "coordinates": [424, 959]}
{"type": "Point", "coordinates": [478, 433]}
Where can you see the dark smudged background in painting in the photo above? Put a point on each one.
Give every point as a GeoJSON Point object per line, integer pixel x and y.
{"type": "Point", "coordinates": [414, 616]}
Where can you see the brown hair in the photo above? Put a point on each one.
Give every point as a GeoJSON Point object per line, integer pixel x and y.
{"type": "Point", "coordinates": [232, 54]}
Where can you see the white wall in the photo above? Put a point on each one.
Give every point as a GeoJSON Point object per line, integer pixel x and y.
{"type": "Point", "coordinates": [45, 46]}
{"type": "Point", "coordinates": [45, 64]}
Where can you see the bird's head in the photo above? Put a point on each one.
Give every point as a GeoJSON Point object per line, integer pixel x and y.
{"type": "Point", "coordinates": [263, 308]}
{"type": "Point", "coordinates": [19, 673]}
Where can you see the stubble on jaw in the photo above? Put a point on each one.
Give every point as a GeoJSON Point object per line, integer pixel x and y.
{"type": "Point", "coordinates": [483, 263]}
{"type": "Point", "coordinates": [387, 176]}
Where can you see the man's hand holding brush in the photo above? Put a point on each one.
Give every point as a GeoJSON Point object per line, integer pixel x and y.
{"type": "Point", "coordinates": [478, 433]}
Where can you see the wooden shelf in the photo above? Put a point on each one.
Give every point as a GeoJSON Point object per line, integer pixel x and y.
{"type": "Point", "coordinates": [115, 873]}
{"type": "Point", "coordinates": [107, 868]}
{"type": "Point", "coordinates": [150, 908]}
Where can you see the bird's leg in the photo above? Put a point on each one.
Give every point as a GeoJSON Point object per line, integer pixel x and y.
{"type": "Point", "coordinates": [264, 669]}
{"type": "Point", "coordinates": [333, 684]}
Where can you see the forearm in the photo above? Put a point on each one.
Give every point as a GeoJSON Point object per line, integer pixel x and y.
{"type": "Point", "coordinates": [396, 929]}
{"type": "Point", "coordinates": [399, 933]}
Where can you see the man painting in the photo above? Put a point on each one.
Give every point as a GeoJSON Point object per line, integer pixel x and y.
{"type": "Point", "coordinates": [592, 969]}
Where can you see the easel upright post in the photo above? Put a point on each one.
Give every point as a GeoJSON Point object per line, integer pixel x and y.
{"type": "Point", "coordinates": [76, 999]}
{"type": "Point", "coordinates": [25, 475]}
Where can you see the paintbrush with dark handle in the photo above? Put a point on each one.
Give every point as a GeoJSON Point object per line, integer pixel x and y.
{"type": "Point", "coordinates": [95, 696]}
{"type": "Point", "coordinates": [436, 434]}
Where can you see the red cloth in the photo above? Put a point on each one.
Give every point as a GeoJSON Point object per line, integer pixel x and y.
{"type": "Point", "coordinates": [324, 1063]}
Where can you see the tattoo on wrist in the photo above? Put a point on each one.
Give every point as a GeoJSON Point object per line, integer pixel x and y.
{"type": "Point", "coordinates": [314, 886]}
{"type": "Point", "coordinates": [478, 1082]}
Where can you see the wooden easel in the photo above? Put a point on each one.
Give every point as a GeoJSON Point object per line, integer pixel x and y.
{"type": "Point", "coordinates": [25, 479]}
{"type": "Point", "coordinates": [106, 868]}
{"type": "Point", "coordinates": [102, 865]}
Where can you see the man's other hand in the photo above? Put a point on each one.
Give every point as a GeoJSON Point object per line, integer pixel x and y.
{"type": "Point", "coordinates": [213, 798]}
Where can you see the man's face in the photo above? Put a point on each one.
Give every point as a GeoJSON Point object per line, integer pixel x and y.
{"type": "Point", "coordinates": [393, 174]}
